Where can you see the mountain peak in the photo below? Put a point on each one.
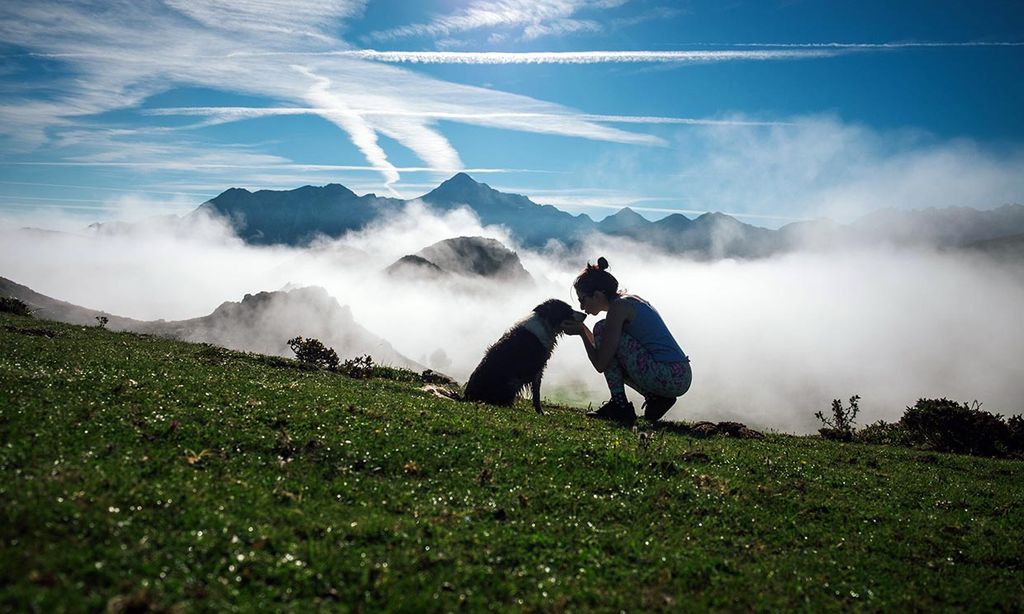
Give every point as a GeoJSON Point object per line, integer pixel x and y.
{"type": "Point", "coordinates": [626, 213]}
{"type": "Point", "coordinates": [475, 257]}
{"type": "Point", "coordinates": [623, 219]}
{"type": "Point", "coordinates": [331, 190]}
{"type": "Point", "coordinates": [462, 189]}
{"type": "Point", "coordinates": [460, 185]}
{"type": "Point", "coordinates": [461, 179]}
{"type": "Point", "coordinates": [717, 217]}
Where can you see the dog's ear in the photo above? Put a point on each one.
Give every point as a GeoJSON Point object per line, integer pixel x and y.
{"type": "Point", "coordinates": [549, 308]}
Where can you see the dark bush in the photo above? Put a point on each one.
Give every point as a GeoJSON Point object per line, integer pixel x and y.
{"type": "Point", "coordinates": [359, 367]}
{"type": "Point", "coordinates": [948, 426]}
{"type": "Point", "coordinates": [885, 433]}
{"type": "Point", "coordinates": [312, 351]}
{"type": "Point", "coordinates": [840, 426]}
{"type": "Point", "coordinates": [1016, 427]}
{"type": "Point", "coordinates": [18, 307]}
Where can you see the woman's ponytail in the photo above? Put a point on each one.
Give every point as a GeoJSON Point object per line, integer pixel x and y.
{"type": "Point", "coordinates": [596, 277]}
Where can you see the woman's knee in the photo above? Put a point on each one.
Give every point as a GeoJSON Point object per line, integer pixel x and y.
{"type": "Point", "coordinates": [599, 331]}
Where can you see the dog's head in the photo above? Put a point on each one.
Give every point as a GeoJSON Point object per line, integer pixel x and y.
{"type": "Point", "coordinates": [554, 312]}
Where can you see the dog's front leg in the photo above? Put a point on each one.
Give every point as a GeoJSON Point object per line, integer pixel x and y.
{"type": "Point", "coordinates": [535, 386]}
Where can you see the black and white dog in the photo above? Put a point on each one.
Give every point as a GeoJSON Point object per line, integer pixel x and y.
{"type": "Point", "coordinates": [519, 357]}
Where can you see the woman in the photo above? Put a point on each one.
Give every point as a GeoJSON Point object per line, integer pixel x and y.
{"type": "Point", "coordinates": [631, 346]}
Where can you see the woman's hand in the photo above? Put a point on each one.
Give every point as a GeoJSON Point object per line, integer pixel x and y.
{"type": "Point", "coordinates": [572, 327]}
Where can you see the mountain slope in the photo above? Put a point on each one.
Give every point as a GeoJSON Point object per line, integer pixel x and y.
{"type": "Point", "coordinates": [261, 322]}
{"type": "Point", "coordinates": [295, 217]}
{"type": "Point", "coordinates": [625, 221]}
{"type": "Point", "coordinates": [952, 226]}
{"type": "Point", "coordinates": [463, 256]}
{"type": "Point", "coordinates": [265, 321]}
{"type": "Point", "coordinates": [52, 309]}
{"type": "Point", "coordinates": [530, 223]}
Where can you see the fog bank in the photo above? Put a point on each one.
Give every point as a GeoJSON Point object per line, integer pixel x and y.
{"type": "Point", "coordinates": [771, 341]}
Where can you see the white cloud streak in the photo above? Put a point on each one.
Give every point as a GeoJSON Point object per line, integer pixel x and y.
{"type": "Point", "coordinates": [198, 164]}
{"type": "Point", "coordinates": [98, 187]}
{"type": "Point", "coordinates": [227, 114]}
{"type": "Point", "coordinates": [110, 66]}
{"type": "Point", "coordinates": [339, 113]}
{"type": "Point", "coordinates": [581, 57]}
{"type": "Point", "coordinates": [536, 18]}
{"type": "Point", "coordinates": [894, 45]}
{"type": "Point", "coordinates": [284, 18]}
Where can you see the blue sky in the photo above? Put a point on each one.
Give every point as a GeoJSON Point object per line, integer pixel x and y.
{"type": "Point", "coordinates": [771, 111]}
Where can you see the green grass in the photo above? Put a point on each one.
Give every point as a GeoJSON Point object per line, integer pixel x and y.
{"type": "Point", "coordinates": [182, 475]}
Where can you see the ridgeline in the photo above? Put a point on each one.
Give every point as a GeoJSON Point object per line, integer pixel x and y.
{"type": "Point", "coordinates": [140, 472]}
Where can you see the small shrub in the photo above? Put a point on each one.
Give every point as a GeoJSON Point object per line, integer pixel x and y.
{"type": "Point", "coordinates": [1016, 427]}
{"type": "Point", "coordinates": [9, 304]}
{"type": "Point", "coordinates": [948, 426]}
{"type": "Point", "coordinates": [360, 367]}
{"type": "Point", "coordinates": [840, 426]}
{"type": "Point", "coordinates": [102, 321]}
{"type": "Point", "coordinates": [312, 351]}
{"type": "Point", "coordinates": [884, 433]}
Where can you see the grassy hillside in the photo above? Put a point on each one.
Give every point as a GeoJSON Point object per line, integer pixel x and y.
{"type": "Point", "coordinates": [137, 471]}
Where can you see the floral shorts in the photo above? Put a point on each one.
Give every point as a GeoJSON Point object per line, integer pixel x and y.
{"type": "Point", "coordinates": [634, 366]}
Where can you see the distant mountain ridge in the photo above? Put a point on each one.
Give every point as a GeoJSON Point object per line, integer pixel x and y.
{"type": "Point", "coordinates": [296, 217]}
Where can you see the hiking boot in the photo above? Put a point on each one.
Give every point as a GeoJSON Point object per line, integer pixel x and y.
{"type": "Point", "coordinates": [655, 407]}
{"type": "Point", "coordinates": [616, 411]}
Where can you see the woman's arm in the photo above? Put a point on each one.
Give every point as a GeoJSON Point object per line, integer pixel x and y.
{"type": "Point", "coordinates": [601, 357]}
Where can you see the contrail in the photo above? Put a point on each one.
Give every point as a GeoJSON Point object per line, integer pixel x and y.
{"type": "Point", "coordinates": [100, 187]}
{"type": "Point", "coordinates": [738, 52]}
{"type": "Point", "coordinates": [306, 167]}
{"type": "Point", "coordinates": [568, 57]}
{"type": "Point", "coordinates": [906, 45]}
{"type": "Point", "coordinates": [238, 113]}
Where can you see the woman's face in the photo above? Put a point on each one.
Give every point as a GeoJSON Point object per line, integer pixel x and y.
{"type": "Point", "coordinates": [593, 303]}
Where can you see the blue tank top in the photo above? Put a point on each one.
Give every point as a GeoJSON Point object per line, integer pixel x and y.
{"type": "Point", "coordinates": [649, 329]}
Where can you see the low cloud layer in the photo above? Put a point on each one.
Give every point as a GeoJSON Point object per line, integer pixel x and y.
{"type": "Point", "coordinates": [772, 341]}
{"type": "Point", "coordinates": [821, 166]}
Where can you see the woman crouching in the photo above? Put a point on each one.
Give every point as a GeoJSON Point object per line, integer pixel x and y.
{"type": "Point", "coordinates": [631, 346]}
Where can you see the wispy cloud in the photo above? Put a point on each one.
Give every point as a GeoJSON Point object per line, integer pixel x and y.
{"type": "Point", "coordinates": [108, 65]}
{"type": "Point", "coordinates": [228, 114]}
{"type": "Point", "coordinates": [578, 57]}
{"type": "Point", "coordinates": [98, 187]}
{"type": "Point", "coordinates": [119, 57]}
{"type": "Point", "coordinates": [363, 136]}
{"type": "Point", "coordinates": [201, 164]}
{"type": "Point", "coordinates": [283, 18]}
{"type": "Point", "coordinates": [822, 167]}
{"type": "Point", "coordinates": [892, 45]}
{"type": "Point", "coordinates": [535, 18]}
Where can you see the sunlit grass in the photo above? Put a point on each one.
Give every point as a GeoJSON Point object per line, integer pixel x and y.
{"type": "Point", "coordinates": [171, 474]}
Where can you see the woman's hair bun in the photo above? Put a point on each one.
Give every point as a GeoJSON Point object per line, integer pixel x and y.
{"type": "Point", "coordinates": [602, 263]}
